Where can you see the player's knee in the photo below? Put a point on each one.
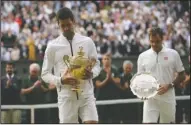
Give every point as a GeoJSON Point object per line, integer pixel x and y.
{"type": "Point", "coordinates": [90, 122]}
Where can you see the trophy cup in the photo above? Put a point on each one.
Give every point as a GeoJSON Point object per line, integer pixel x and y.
{"type": "Point", "coordinates": [144, 85]}
{"type": "Point", "coordinates": [77, 65]}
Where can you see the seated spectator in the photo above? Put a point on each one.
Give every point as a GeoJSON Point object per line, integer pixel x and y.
{"type": "Point", "coordinates": [8, 39]}
{"type": "Point", "coordinates": [15, 53]}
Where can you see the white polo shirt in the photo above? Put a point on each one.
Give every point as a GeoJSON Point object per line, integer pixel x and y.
{"type": "Point", "coordinates": [163, 66]}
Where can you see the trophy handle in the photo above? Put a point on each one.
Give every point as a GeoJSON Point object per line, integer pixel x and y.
{"type": "Point", "coordinates": [92, 62]}
{"type": "Point", "coordinates": [66, 60]}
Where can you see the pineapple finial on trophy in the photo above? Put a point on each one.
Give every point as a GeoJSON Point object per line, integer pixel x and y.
{"type": "Point", "coordinates": [81, 52]}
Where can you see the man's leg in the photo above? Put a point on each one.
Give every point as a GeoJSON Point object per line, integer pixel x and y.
{"type": "Point", "coordinates": [68, 110]}
{"type": "Point", "coordinates": [167, 112]}
{"type": "Point", "coordinates": [5, 117]}
{"type": "Point", "coordinates": [16, 116]}
{"type": "Point", "coordinates": [88, 111]}
{"type": "Point", "coordinates": [150, 111]}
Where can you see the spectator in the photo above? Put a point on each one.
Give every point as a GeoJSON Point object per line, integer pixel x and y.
{"type": "Point", "coordinates": [15, 53]}
{"type": "Point", "coordinates": [52, 98]}
{"type": "Point", "coordinates": [33, 91]}
{"type": "Point", "coordinates": [108, 84]}
{"type": "Point", "coordinates": [173, 17]}
{"type": "Point", "coordinates": [179, 104]}
{"type": "Point", "coordinates": [186, 87]}
{"type": "Point", "coordinates": [31, 49]}
{"type": "Point", "coordinates": [10, 95]}
{"type": "Point", "coordinates": [9, 39]}
{"type": "Point", "coordinates": [6, 54]}
{"type": "Point", "coordinates": [128, 112]}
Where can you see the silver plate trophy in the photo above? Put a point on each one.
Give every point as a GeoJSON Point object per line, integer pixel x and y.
{"type": "Point", "coordinates": [144, 85]}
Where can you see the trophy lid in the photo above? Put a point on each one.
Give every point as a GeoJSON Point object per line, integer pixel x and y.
{"type": "Point", "coordinates": [81, 52]}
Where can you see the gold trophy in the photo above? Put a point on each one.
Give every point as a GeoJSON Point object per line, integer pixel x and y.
{"type": "Point", "coordinates": [77, 65]}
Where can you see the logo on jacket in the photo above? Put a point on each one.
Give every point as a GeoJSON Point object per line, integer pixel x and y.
{"type": "Point", "coordinates": [165, 58]}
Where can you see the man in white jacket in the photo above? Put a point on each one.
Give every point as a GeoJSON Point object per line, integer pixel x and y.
{"type": "Point", "coordinates": [163, 63]}
{"type": "Point", "coordinates": [71, 104]}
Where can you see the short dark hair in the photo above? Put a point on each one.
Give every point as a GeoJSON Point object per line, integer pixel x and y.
{"type": "Point", "coordinates": [64, 13]}
{"type": "Point", "coordinates": [156, 30]}
{"type": "Point", "coordinates": [10, 63]}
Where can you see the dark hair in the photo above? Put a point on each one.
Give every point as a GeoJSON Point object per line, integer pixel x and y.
{"type": "Point", "coordinates": [108, 55]}
{"type": "Point", "coordinates": [64, 13]}
{"type": "Point", "coordinates": [10, 63]}
{"type": "Point", "coordinates": [156, 30]}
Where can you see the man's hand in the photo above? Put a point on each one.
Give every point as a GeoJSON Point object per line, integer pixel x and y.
{"type": "Point", "coordinates": [126, 85]}
{"type": "Point", "coordinates": [8, 84]}
{"type": "Point", "coordinates": [68, 79]}
{"type": "Point", "coordinates": [87, 74]}
{"type": "Point", "coordinates": [37, 83]}
{"type": "Point", "coordinates": [163, 88]}
{"type": "Point", "coordinates": [144, 98]}
{"type": "Point", "coordinates": [109, 74]}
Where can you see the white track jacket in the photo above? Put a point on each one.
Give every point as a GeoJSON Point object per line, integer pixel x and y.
{"type": "Point", "coordinates": [53, 58]}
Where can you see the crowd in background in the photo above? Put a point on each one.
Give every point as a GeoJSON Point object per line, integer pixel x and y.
{"type": "Point", "coordinates": [117, 27]}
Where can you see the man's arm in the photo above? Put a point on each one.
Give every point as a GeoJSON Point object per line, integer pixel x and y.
{"type": "Point", "coordinates": [47, 66]}
{"type": "Point", "coordinates": [51, 86]}
{"type": "Point", "coordinates": [44, 89]}
{"type": "Point", "coordinates": [179, 69]}
{"type": "Point", "coordinates": [140, 67]}
{"type": "Point", "coordinates": [179, 79]}
{"type": "Point", "coordinates": [186, 81]}
{"type": "Point", "coordinates": [93, 53]}
{"type": "Point", "coordinates": [124, 86]}
{"type": "Point", "coordinates": [27, 90]}
{"type": "Point", "coordinates": [100, 84]}
{"type": "Point", "coordinates": [116, 79]}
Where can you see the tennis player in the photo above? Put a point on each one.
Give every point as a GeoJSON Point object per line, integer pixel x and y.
{"type": "Point", "coordinates": [71, 104]}
{"type": "Point", "coordinates": [163, 63]}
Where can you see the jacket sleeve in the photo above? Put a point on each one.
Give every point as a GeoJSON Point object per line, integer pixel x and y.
{"type": "Point", "coordinates": [93, 53]}
{"type": "Point", "coordinates": [48, 64]}
{"type": "Point", "coordinates": [140, 66]}
{"type": "Point", "coordinates": [179, 67]}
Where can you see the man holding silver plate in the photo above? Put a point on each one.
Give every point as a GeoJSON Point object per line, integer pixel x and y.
{"type": "Point", "coordinates": [154, 81]}
{"type": "Point", "coordinates": [75, 62]}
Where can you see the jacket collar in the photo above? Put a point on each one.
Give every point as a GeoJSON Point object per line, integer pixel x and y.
{"type": "Point", "coordinates": [9, 76]}
{"type": "Point", "coordinates": [75, 35]}
{"type": "Point", "coordinates": [162, 50]}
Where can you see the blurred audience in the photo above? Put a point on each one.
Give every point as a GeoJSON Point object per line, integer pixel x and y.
{"type": "Point", "coordinates": [119, 27]}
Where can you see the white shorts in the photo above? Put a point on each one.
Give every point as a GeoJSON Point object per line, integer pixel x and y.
{"type": "Point", "coordinates": [70, 109]}
{"type": "Point", "coordinates": [155, 109]}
